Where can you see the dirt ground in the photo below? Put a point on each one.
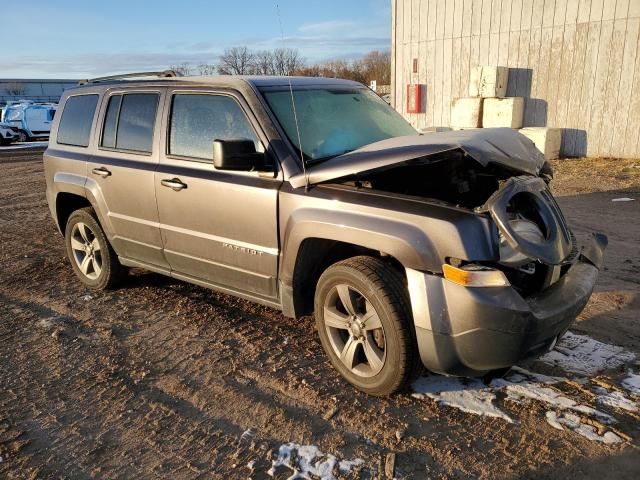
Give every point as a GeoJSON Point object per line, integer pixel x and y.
{"type": "Point", "coordinates": [161, 379]}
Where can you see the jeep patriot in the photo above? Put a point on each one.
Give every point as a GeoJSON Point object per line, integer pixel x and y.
{"type": "Point", "coordinates": [313, 196]}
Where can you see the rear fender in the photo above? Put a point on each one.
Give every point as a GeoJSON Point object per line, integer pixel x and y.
{"type": "Point", "coordinates": [97, 200]}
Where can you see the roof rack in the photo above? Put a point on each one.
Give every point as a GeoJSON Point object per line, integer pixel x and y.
{"type": "Point", "coordinates": [160, 74]}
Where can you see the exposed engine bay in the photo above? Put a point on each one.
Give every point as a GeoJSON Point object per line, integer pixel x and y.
{"type": "Point", "coordinates": [535, 243]}
{"type": "Point", "coordinates": [451, 177]}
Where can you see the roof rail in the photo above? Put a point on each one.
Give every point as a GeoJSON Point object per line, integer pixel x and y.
{"type": "Point", "coordinates": [160, 74]}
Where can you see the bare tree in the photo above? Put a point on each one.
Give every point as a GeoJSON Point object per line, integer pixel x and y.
{"type": "Point", "coordinates": [263, 63]}
{"type": "Point", "coordinates": [16, 88]}
{"type": "Point", "coordinates": [184, 69]}
{"type": "Point", "coordinates": [376, 65]}
{"type": "Point", "coordinates": [286, 61]}
{"type": "Point", "coordinates": [236, 61]}
{"type": "Point", "coordinates": [206, 69]}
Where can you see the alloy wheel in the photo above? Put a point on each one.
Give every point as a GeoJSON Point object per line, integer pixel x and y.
{"type": "Point", "coordinates": [86, 249]}
{"type": "Point", "coordinates": [355, 331]}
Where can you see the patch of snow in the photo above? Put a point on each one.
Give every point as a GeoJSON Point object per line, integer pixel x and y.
{"type": "Point", "coordinates": [574, 423]}
{"type": "Point", "coordinates": [520, 375]}
{"type": "Point", "coordinates": [552, 419]}
{"type": "Point", "coordinates": [582, 355]}
{"type": "Point", "coordinates": [345, 466]}
{"type": "Point", "coordinates": [632, 383]}
{"type": "Point", "coordinates": [307, 461]}
{"type": "Point", "coordinates": [468, 395]}
{"type": "Point", "coordinates": [247, 435]}
{"type": "Point", "coordinates": [46, 322]}
{"type": "Point", "coordinates": [576, 354]}
{"type": "Point", "coordinates": [615, 399]}
{"type": "Point", "coordinates": [86, 298]}
{"type": "Point", "coordinates": [623, 199]}
{"type": "Point", "coordinates": [552, 398]}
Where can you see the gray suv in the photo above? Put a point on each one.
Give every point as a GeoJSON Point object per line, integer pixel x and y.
{"type": "Point", "coordinates": [312, 195]}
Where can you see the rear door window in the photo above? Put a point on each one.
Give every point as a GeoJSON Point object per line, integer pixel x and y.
{"type": "Point", "coordinates": [77, 117]}
{"type": "Point", "coordinates": [198, 120]}
{"type": "Point", "coordinates": [129, 122]}
{"type": "Point", "coordinates": [111, 122]}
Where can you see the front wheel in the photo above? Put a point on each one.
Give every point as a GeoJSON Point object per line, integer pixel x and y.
{"type": "Point", "coordinates": [22, 136]}
{"type": "Point", "coordinates": [364, 323]}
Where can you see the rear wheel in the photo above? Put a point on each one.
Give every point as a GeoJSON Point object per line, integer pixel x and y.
{"type": "Point", "coordinates": [364, 323]}
{"type": "Point", "coordinates": [92, 258]}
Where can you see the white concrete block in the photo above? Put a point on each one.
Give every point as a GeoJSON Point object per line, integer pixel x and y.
{"type": "Point", "coordinates": [547, 140]}
{"type": "Point", "coordinates": [466, 112]}
{"type": "Point", "coordinates": [503, 112]}
{"type": "Point", "coordinates": [487, 81]}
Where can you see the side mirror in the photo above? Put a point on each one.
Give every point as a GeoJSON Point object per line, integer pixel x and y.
{"type": "Point", "coordinates": [236, 155]}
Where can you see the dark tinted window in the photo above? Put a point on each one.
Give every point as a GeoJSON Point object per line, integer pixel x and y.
{"type": "Point", "coordinates": [75, 124]}
{"type": "Point", "coordinates": [136, 121]}
{"type": "Point", "coordinates": [198, 120]}
{"type": "Point", "coordinates": [110, 122]}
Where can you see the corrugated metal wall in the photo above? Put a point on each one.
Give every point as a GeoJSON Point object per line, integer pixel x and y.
{"type": "Point", "coordinates": [33, 89]}
{"type": "Point", "coordinates": [577, 62]}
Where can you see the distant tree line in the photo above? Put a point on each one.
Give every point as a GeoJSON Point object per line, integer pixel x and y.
{"type": "Point", "coordinates": [375, 65]}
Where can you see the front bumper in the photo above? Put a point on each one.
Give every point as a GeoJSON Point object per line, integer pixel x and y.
{"type": "Point", "coordinates": [8, 134]}
{"type": "Point", "coordinates": [471, 331]}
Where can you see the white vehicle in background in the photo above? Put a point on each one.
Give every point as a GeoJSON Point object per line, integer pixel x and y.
{"type": "Point", "coordinates": [30, 120]}
{"type": "Point", "coordinates": [7, 134]}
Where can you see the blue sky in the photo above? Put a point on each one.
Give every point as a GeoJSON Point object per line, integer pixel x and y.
{"type": "Point", "coordinates": [77, 39]}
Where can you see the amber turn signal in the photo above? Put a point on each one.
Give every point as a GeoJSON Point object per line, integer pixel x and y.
{"type": "Point", "coordinates": [475, 276]}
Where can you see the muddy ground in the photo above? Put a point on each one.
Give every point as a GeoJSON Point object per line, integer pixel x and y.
{"type": "Point", "coordinates": [161, 379]}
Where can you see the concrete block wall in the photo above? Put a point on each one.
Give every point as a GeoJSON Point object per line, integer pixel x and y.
{"type": "Point", "coordinates": [576, 63]}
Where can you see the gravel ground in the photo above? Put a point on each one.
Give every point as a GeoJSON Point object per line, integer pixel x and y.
{"type": "Point", "coordinates": [164, 379]}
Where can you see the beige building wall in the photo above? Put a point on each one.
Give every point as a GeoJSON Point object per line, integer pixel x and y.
{"type": "Point", "coordinates": [576, 62]}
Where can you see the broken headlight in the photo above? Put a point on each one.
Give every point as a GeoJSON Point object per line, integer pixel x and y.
{"type": "Point", "coordinates": [526, 229]}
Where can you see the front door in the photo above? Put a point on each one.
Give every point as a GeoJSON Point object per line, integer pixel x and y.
{"type": "Point", "coordinates": [218, 227]}
{"type": "Point", "coordinates": [121, 175]}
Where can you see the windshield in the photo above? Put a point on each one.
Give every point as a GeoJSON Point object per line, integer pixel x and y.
{"type": "Point", "coordinates": [333, 121]}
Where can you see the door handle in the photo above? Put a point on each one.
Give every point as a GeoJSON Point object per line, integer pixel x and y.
{"type": "Point", "coordinates": [103, 172]}
{"type": "Point", "coordinates": [173, 183]}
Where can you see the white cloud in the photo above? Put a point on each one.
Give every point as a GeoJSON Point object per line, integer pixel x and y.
{"type": "Point", "coordinates": [326, 27]}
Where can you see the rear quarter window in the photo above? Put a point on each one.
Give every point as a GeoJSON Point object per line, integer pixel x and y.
{"type": "Point", "coordinates": [76, 120]}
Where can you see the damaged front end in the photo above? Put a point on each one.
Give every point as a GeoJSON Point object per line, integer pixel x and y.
{"type": "Point", "coordinates": [536, 245]}
{"type": "Point", "coordinates": [475, 316]}
{"type": "Point", "coordinates": [494, 172]}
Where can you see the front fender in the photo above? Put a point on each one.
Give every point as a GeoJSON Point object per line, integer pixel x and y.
{"type": "Point", "coordinates": [403, 241]}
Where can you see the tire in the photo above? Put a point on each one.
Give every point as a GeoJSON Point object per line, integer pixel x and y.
{"type": "Point", "coordinates": [92, 258]}
{"type": "Point", "coordinates": [22, 136]}
{"type": "Point", "coordinates": [377, 361]}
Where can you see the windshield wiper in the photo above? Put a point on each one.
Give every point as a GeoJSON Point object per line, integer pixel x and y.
{"type": "Point", "coordinates": [315, 161]}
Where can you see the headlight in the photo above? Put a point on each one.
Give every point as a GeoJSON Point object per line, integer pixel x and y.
{"type": "Point", "coordinates": [525, 229]}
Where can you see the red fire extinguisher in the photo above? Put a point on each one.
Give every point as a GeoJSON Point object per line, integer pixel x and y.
{"type": "Point", "coordinates": [414, 98]}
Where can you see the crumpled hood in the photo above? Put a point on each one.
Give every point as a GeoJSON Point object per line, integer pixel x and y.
{"type": "Point", "coordinates": [501, 146]}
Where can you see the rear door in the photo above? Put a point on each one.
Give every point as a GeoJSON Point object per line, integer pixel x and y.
{"type": "Point", "coordinates": [121, 173]}
{"type": "Point", "coordinates": [220, 228]}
